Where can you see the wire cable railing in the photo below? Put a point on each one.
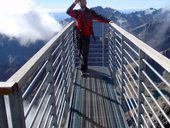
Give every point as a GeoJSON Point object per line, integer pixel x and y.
{"type": "Point", "coordinates": [43, 84]}
{"type": "Point", "coordinates": [141, 75]}
{"type": "Point", "coordinates": [40, 94]}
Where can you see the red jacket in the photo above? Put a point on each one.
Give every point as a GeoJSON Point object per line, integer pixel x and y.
{"type": "Point", "coordinates": [84, 24]}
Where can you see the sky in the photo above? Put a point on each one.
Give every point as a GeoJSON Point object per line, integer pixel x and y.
{"type": "Point", "coordinates": [29, 20]}
{"type": "Point", "coordinates": [26, 21]}
{"type": "Point", "coordinates": [62, 5]}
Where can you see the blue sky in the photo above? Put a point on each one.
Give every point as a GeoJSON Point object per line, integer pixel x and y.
{"type": "Point", "coordinates": [116, 4]}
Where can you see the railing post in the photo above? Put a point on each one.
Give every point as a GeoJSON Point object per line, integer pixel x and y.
{"type": "Point", "coordinates": [114, 61]}
{"type": "Point", "coordinates": [122, 69]}
{"type": "Point", "coordinates": [103, 45]}
{"type": "Point", "coordinates": [73, 52]}
{"type": "Point", "coordinates": [3, 115]}
{"type": "Point", "coordinates": [50, 79]}
{"type": "Point", "coordinates": [63, 59]}
{"type": "Point", "coordinates": [17, 109]}
{"type": "Point", "coordinates": [71, 88]}
{"type": "Point", "coordinates": [63, 55]}
{"type": "Point", "coordinates": [141, 88]}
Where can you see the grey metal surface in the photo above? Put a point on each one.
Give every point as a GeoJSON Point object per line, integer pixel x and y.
{"type": "Point", "coordinates": [95, 104]}
{"type": "Point", "coordinates": [144, 74]}
{"type": "Point", "coordinates": [41, 91]}
{"type": "Point", "coordinates": [17, 111]}
{"type": "Point", "coordinates": [3, 117]}
{"type": "Point", "coordinates": [38, 90]}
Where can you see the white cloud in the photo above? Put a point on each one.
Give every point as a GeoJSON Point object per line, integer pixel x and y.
{"type": "Point", "coordinates": [149, 11]}
{"type": "Point", "coordinates": [58, 10]}
{"type": "Point", "coordinates": [26, 21]}
{"type": "Point", "coordinates": [139, 15]}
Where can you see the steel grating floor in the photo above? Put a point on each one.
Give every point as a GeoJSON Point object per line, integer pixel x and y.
{"type": "Point", "coordinates": [95, 104]}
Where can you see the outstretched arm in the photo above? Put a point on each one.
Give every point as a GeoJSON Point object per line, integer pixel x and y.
{"type": "Point", "coordinates": [99, 17]}
{"type": "Point", "coordinates": [70, 10]}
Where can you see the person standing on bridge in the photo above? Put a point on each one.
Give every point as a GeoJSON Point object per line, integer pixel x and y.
{"type": "Point", "coordinates": [83, 30]}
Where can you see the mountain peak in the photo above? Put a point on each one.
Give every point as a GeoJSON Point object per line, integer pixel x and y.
{"type": "Point", "coordinates": [150, 11]}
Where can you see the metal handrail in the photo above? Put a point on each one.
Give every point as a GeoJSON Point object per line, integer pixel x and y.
{"type": "Point", "coordinates": [156, 56]}
{"type": "Point", "coordinates": [38, 91]}
{"type": "Point", "coordinates": [42, 89]}
{"type": "Point", "coordinates": [135, 82]}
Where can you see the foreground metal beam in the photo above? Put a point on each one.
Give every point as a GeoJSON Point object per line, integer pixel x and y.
{"type": "Point", "coordinates": [8, 87]}
{"type": "Point", "coordinates": [3, 115]}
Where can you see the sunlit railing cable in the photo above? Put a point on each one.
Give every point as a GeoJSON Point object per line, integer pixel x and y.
{"type": "Point", "coordinates": [39, 90]}
{"type": "Point", "coordinates": [39, 82]}
{"type": "Point", "coordinates": [137, 56]}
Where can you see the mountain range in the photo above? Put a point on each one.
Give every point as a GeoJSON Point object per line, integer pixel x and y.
{"type": "Point", "coordinates": [13, 55]}
{"type": "Point", "coordinates": [150, 25]}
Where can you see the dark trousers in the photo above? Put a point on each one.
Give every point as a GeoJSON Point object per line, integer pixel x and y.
{"type": "Point", "coordinates": [83, 49]}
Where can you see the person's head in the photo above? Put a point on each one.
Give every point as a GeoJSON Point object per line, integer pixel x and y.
{"type": "Point", "coordinates": [83, 3]}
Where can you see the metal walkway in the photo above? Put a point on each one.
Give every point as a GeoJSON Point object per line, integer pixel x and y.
{"type": "Point", "coordinates": [95, 104]}
{"type": "Point", "coordinates": [48, 92]}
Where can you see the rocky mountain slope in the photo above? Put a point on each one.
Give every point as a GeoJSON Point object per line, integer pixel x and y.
{"type": "Point", "coordinates": [151, 25]}
{"type": "Point", "coordinates": [13, 55]}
